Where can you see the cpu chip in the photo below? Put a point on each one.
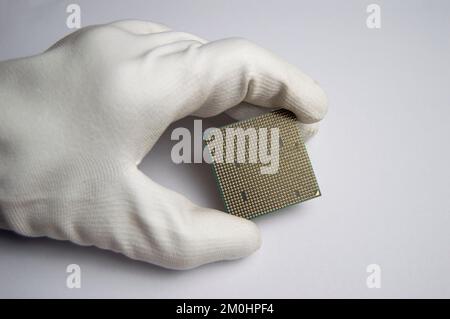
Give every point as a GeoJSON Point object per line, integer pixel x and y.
{"type": "Point", "coordinates": [251, 188]}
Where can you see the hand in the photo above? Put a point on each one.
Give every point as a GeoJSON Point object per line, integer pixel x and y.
{"type": "Point", "coordinates": [77, 119]}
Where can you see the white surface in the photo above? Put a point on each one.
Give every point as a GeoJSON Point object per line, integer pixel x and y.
{"type": "Point", "coordinates": [381, 156]}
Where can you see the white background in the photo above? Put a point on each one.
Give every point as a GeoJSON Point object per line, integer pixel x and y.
{"type": "Point", "coordinates": [382, 156]}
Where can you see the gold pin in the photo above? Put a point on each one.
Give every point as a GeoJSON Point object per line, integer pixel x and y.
{"type": "Point", "coordinates": [281, 176]}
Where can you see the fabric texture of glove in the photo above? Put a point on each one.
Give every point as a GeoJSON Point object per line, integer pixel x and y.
{"type": "Point", "coordinates": [77, 119]}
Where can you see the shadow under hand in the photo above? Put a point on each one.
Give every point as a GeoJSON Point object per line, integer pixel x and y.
{"type": "Point", "coordinates": [196, 181]}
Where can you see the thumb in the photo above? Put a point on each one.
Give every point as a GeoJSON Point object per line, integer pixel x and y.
{"type": "Point", "coordinates": [164, 228]}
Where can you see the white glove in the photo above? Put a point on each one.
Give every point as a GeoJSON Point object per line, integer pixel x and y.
{"type": "Point", "coordinates": [76, 120]}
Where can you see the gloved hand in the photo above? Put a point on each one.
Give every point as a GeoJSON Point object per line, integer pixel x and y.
{"type": "Point", "coordinates": [76, 120]}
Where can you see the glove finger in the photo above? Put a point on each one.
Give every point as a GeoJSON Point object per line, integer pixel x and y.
{"type": "Point", "coordinates": [177, 47]}
{"type": "Point", "coordinates": [308, 130]}
{"type": "Point", "coordinates": [168, 37]}
{"type": "Point", "coordinates": [235, 70]}
{"type": "Point", "coordinates": [245, 111]}
{"type": "Point", "coordinates": [140, 27]}
{"type": "Point", "coordinates": [153, 224]}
